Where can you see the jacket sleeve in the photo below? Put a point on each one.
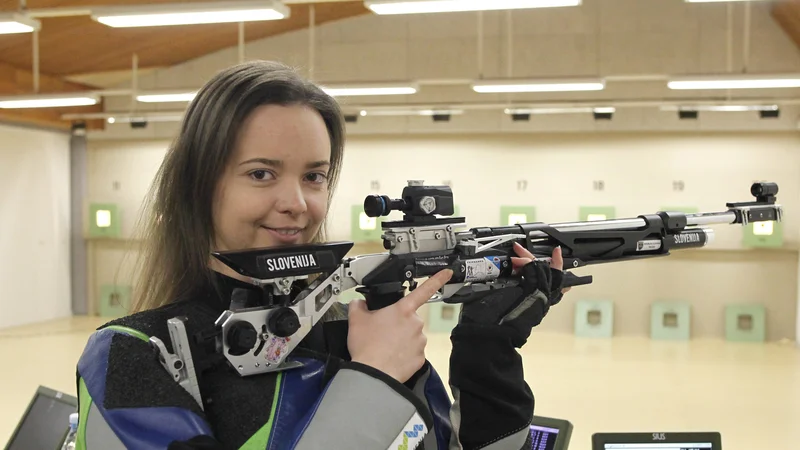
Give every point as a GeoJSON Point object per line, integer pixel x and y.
{"type": "Point", "coordinates": [493, 405]}
{"type": "Point", "coordinates": [361, 407]}
{"type": "Point", "coordinates": [128, 401]}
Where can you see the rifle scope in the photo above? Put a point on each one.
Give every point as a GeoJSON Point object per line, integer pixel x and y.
{"type": "Point", "coordinates": [417, 200]}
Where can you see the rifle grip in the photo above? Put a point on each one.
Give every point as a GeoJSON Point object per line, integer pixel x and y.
{"type": "Point", "coordinates": [382, 295]}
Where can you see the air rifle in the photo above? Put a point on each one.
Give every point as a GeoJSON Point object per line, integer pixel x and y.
{"type": "Point", "coordinates": [259, 339]}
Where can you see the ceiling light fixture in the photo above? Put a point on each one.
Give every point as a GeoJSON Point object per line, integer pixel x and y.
{"type": "Point", "coordinates": [720, 108]}
{"type": "Point", "coordinates": [45, 101]}
{"type": "Point", "coordinates": [721, 1]}
{"type": "Point", "coordinates": [371, 89]}
{"type": "Point", "coordinates": [569, 110]}
{"type": "Point", "coordinates": [167, 97]}
{"type": "Point", "coordinates": [145, 118]}
{"type": "Point", "coordinates": [511, 86]}
{"type": "Point", "coordinates": [387, 7]}
{"type": "Point", "coordinates": [735, 82]}
{"type": "Point", "coordinates": [190, 13]}
{"type": "Point", "coordinates": [126, 117]}
{"type": "Point", "coordinates": [440, 112]}
{"type": "Point", "coordinates": [411, 112]}
{"type": "Point", "coordinates": [16, 23]}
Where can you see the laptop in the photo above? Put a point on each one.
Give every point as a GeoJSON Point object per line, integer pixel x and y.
{"type": "Point", "coordinates": [45, 422]}
{"type": "Point", "coordinates": [657, 441]}
{"type": "Point", "coordinates": [548, 433]}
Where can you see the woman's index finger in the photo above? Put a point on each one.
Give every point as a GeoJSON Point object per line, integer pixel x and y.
{"type": "Point", "coordinates": [423, 293]}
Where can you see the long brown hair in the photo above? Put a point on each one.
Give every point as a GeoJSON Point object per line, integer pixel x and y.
{"type": "Point", "coordinates": [176, 230]}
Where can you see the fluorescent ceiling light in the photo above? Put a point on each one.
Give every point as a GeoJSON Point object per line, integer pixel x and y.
{"type": "Point", "coordinates": [721, 108]}
{"type": "Point", "coordinates": [371, 89]}
{"type": "Point", "coordinates": [439, 112]}
{"type": "Point", "coordinates": [15, 23]}
{"type": "Point", "coordinates": [565, 110]}
{"type": "Point", "coordinates": [190, 13]}
{"type": "Point", "coordinates": [508, 86]}
{"type": "Point", "coordinates": [438, 6]}
{"type": "Point", "coordinates": [411, 112]}
{"type": "Point", "coordinates": [167, 97]}
{"type": "Point", "coordinates": [345, 92]}
{"type": "Point", "coordinates": [721, 1]}
{"type": "Point", "coordinates": [145, 118]}
{"type": "Point", "coordinates": [44, 101]}
{"type": "Point", "coordinates": [735, 82]}
{"type": "Point", "coordinates": [124, 117]}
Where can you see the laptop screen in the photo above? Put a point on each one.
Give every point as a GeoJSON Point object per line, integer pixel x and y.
{"type": "Point", "coordinates": [45, 424]}
{"type": "Point", "coordinates": [544, 438]}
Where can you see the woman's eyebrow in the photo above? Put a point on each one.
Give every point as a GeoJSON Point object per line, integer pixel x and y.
{"type": "Point", "coordinates": [317, 164]}
{"type": "Point", "coordinates": [265, 161]}
{"type": "Point", "coordinates": [278, 163]}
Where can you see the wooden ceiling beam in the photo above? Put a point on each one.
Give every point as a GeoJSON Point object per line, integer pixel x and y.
{"type": "Point", "coordinates": [786, 13]}
{"type": "Point", "coordinates": [16, 81]}
{"type": "Point", "coordinates": [80, 45]}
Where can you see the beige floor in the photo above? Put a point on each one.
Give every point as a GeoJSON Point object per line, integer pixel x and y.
{"type": "Point", "coordinates": [750, 393]}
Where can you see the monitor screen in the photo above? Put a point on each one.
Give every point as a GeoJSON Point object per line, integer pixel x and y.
{"type": "Point", "coordinates": [544, 438]}
{"type": "Point", "coordinates": [548, 433]}
{"type": "Point", "coordinates": [657, 441]}
{"type": "Point", "coordinates": [670, 446]}
{"type": "Point", "coordinates": [45, 423]}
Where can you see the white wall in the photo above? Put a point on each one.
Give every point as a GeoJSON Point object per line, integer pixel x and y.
{"type": "Point", "coordinates": [638, 170]}
{"type": "Point", "coordinates": [34, 226]}
{"type": "Point", "coordinates": [599, 38]}
{"type": "Point", "coordinates": [715, 156]}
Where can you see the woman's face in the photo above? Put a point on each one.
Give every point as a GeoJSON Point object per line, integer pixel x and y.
{"type": "Point", "coordinates": [274, 190]}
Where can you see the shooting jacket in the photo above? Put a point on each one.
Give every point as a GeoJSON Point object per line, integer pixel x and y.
{"type": "Point", "coordinates": [128, 400]}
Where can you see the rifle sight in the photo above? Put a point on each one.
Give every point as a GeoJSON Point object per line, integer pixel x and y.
{"type": "Point", "coordinates": [764, 192]}
{"type": "Point", "coordinates": [417, 200]}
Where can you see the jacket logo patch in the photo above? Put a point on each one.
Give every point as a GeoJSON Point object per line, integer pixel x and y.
{"type": "Point", "coordinates": [412, 438]}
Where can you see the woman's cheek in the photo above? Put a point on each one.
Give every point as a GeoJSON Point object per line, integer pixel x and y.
{"type": "Point", "coordinates": [317, 206]}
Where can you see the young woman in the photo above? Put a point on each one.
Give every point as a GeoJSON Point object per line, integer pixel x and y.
{"type": "Point", "coordinates": [255, 164]}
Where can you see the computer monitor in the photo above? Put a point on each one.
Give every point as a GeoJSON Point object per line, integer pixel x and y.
{"type": "Point", "coordinates": [657, 441]}
{"type": "Point", "coordinates": [548, 433]}
{"type": "Point", "coordinates": [45, 422]}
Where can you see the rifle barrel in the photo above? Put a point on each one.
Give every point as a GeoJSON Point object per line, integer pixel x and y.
{"type": "Point", "coordinates": [726, 217]}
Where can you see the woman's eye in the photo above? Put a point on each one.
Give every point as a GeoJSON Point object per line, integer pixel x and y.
{"type": "Point", "coordinates": [317, 177]}
{"type": "Point", "coordinates": [259, 174]}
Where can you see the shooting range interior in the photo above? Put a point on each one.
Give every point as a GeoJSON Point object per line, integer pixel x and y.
{"type": "Point", "coordinates": [553, 111]}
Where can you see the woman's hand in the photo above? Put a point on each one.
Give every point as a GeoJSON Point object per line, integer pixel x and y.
{"type": "Point", "coordinates": [390, 339]}
{"type": "Point", "coordinates": [519, 307]}
{"type": "Point", "coordinates": [524, 257]}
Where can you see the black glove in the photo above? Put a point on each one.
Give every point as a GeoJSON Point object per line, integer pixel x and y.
{"type": "Point", "coordinates": [486, 375]}
{"type": "Point", "coordinates": [521, 304]}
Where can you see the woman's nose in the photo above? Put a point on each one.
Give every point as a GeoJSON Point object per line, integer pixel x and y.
{"type": "Point", "coordinates": [291, 199]}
